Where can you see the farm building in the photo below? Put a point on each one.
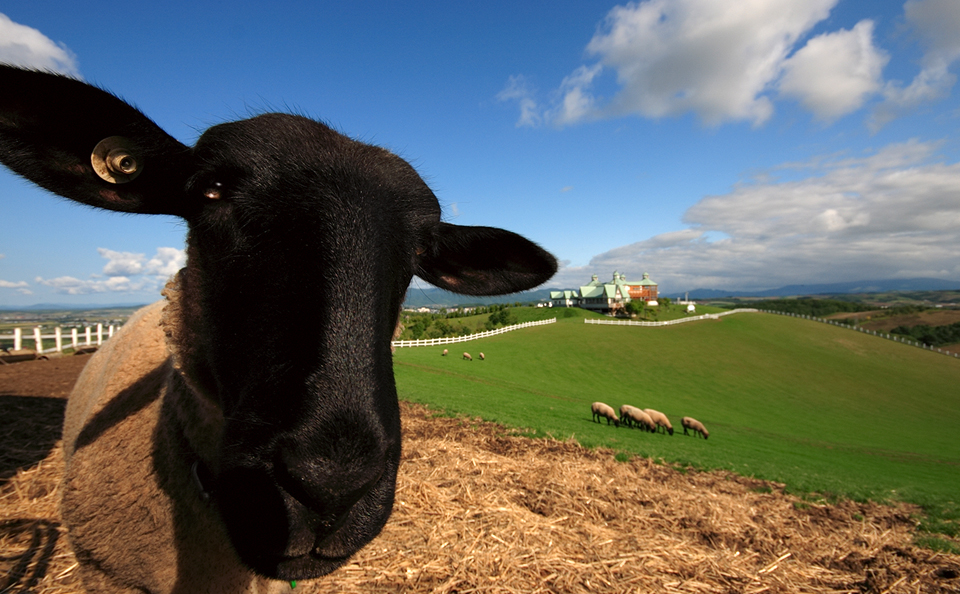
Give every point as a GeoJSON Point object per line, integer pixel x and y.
{"type": "Point", "coordinates": [609, 296]}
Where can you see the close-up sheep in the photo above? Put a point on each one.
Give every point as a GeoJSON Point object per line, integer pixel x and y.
{"type": "Point", "coordinates": [601, 410]}
{"type": "Point", "coordinates": [198, 464]}
{"type": "Point", "coordinates": [695, 426]}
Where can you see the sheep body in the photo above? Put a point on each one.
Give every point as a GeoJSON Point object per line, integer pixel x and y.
{"type": "Point", "coordinates": [482, 356]}
{"type": "Point", "coordinates": [114, 402]}
{"type": "Point", "coordinates": [599, 409]}
{"type": "Point", "coordinates": [660, 419]}
{"type": "Point", "coordinates": [467, 356]}
{"type": "Point", "coordinates": [444, 353]}
{"type": "Point", "coordinates": [695, 426]}
{"type": "Point", "coordinates": [624, 417]}
{"type": "Point", "coordinates": [638, 417]}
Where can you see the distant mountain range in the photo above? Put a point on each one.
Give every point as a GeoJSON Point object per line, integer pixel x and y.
{"type": "Point", "coordinates": [871, 286]}
{"type": "Point", "coordinates": [70, 306]}
{"type": "Point", "coordinates": [436, 298]}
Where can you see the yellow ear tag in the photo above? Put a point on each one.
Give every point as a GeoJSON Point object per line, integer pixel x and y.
{"type": "Point", "coordinates": [115, 161]}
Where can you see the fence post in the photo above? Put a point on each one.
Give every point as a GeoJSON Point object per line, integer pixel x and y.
{"type": "Point", "coordinates": [58, 336]}
{"type": "Point", "coordinates": [17, 339]}
{"type": "Point", "coordinates": [73, 338]}
{"type": "Point", "coordinates": [88, 336]}
{"type": "Point", "coordinates": [37, 340]}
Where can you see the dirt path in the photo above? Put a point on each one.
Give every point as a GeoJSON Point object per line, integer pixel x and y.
{"type": "Point", "coordinates": [481, 510]}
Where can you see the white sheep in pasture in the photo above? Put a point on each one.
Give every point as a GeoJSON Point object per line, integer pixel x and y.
{"type": "Point", "coordinates": [695, 426]}
{"type": "Point", "coordinates": [624, 418]}
{"type": "Point", "coordinates": [660, 419]}
{"type": "Point", "coordinates": [195, 463]}
{"type": "Point", "coordinates": [444, 353]}
{"type": "Point", "coordinates": [467, 356]}
{"type": "Point", "coordinates": [482, 356]}
{"type": "Point", "coordinates": [640, 418]}
{"type": "Point", "coordinates": [600, 409]}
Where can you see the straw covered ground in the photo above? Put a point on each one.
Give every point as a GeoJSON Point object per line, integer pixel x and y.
{"type": "Point", "coordinates": [481, 509]}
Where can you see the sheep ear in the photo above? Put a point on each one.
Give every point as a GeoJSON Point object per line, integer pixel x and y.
{"type": "Point", "coordinates": [50, 126]}
{"type": "Point", "coordinates": [485, 261]}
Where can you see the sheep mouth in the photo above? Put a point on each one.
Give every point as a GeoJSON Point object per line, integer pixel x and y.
{"type": "Point", "coordinates": [260, 532]}
{"type": "Point", "coordinates": [309, 566]}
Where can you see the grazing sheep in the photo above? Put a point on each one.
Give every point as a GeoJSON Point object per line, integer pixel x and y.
{"type": "Point", "coordinates": [694, 425]}
{"type": "Point", "coordinates": [467, 357]}
{"type": "Point", "coordinates": [660, 419]}
{"type": "Point", "coordinates": [624, 417]}
{"type": "Point", "coordinates": [640, 418]}
{"type": "Point", "coordinates": [482, 357]}
{"type": "Point", "coordinates": [193, 462]}
{"type": "Point", "coordinates": [600, 409]}
{"type": "Point", "coordinates": [444, 353]}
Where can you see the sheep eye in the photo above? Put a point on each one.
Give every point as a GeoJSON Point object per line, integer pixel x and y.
{"type": "Point", "coordinates": [214, 191]}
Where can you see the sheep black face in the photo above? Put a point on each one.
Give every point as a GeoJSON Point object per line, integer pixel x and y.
{"type": "Point", "coordinates": [300, 248]}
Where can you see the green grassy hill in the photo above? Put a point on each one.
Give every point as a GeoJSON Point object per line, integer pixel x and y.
{"type": "Point", "coordinates": [818, 407]}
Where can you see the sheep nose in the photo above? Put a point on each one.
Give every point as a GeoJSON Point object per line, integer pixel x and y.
{"type": "Point", "coordinates": [327, 486]}
{"type": "Point", "coordinates": [320, 495]}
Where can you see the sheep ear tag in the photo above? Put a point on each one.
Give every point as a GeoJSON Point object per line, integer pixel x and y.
{"type": "Point", "coordinates": [115, 160]}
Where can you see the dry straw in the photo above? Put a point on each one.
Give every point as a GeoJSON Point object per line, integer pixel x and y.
{"type": "Point", "coordinates": [479, 509]}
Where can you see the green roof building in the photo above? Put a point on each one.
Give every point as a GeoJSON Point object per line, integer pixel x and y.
{"type": "Point", "coordinates": [610, 296]}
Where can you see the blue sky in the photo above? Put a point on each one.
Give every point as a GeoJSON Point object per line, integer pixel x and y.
{"type": "Point", "coordinates": [712, 143]}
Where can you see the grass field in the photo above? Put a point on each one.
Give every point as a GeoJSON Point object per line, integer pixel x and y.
{"type": "Point", "coordinates": [820, 408]}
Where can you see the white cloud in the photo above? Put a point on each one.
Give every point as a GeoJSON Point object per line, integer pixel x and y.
{"type": "Point", "coordinates": [728, 60]}
{"type": "Point", "coordinates": [121, 263]}
{"type": "Point", "coordinates": [577, 103]}
{"type": "Point", "coordinates": [125, 272]}
{"type": "Point", "coordinates": [716, 58]}
{"type": "Point", "coordinates": [21, 287]}
{"type": "Point", "coordinates": [891, 214]}
{"type": "Point", "coordinates": [166, 262]}
{"type": "Point", "coordinates": [69, 285]}
{"type": "Point", "coordinates": [834, 73]}
{"type": "Point", "coordinates": [518, 89]}
{"type": "Point", "coordinates": [21, 45]}
{"type": "Point", "coordinates": [936, 24]}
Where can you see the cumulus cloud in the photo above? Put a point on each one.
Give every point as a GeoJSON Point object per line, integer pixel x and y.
{"type": "Point", "coordinates": [891, 214]}
{"type": "Point", "coordinates": [166, 262]}
{"type": "Point", "coordinates": [147, 274]}
{"type": "Point", "coordinates": [716, 58]}
{"type": "Point", "coordinates": [21, 45]}
{"type": "Point", "coordinates": [936, 25]}
{"type": "Point", "coordinates": [729, 60]}
{"type": "Point", "coordinates": [834, 73]}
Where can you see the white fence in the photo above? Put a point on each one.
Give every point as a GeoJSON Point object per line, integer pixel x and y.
{"type": "Point", "coordinates": [451, 340]}
{"type": "Point", "coordinates": [91, 336]}
{"type": "Point", "coordinates": [779, 313]}
{"type": "Point", "coordinates": [892, 337]}
{"type": "Point", "coordinates": [667, 322]}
